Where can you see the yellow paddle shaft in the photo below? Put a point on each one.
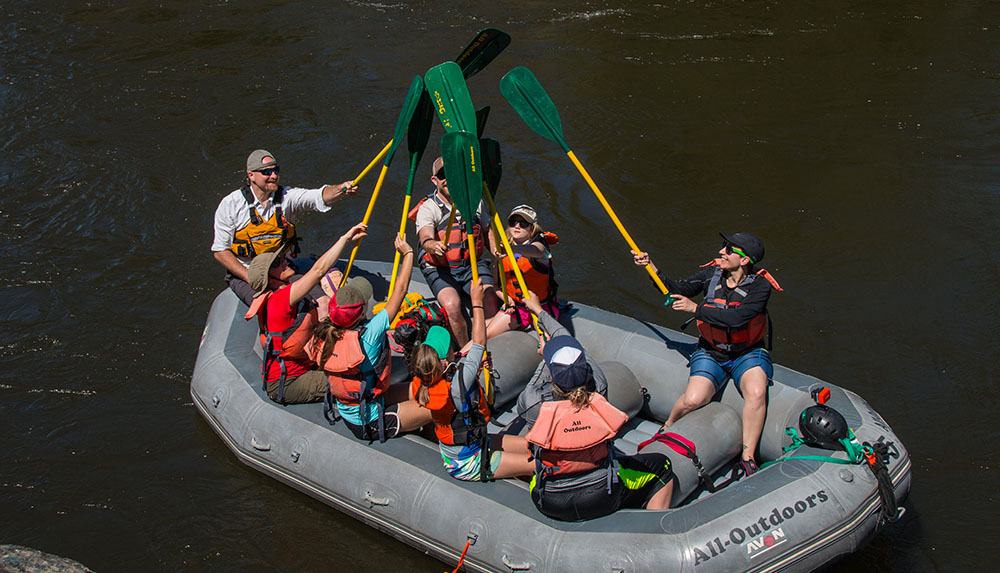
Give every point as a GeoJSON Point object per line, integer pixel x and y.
{"type": "Point", "coordinates": [368, 214]}
{"type": "Point", "coordinates": [497, 224]}
{"type": "Point", "coordinates": [618, 223]}
{"type": "Point", "coordinates": [378, 158]}
{"type": "Point", "coordinates": [402, 229]}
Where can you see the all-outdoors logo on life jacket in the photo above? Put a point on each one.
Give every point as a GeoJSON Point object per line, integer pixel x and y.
{"type": "Point", "coordinates": [572, 440]}
{"type": "Point", "coordinates": [736, 339]}
{"type": "Point", "coordinates": [260, 236]}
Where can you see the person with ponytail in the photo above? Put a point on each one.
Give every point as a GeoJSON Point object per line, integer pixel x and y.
{"type": "Point", "coordinates": [579, 474]}
{"type": "Point", "coordinates": [458, 405]}
{"type": "Point", "coordinates": [354, 352]}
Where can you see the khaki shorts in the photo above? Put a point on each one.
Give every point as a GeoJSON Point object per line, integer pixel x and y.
{"type": "Point", "coordinates": [309, 387]}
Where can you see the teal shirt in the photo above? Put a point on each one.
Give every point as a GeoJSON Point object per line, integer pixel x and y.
{"type": "Point", "coordinates": [371, 344]}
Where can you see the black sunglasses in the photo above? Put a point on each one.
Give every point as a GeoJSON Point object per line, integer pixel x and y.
{"type": "Point", "coordinates": [267, 172]}
{"type": "Point", "coordinates": [440, 174]}
{"type": "Point", "coordinates": [518, 222]}
{"type": "Point", "coordinates": [730, 249]}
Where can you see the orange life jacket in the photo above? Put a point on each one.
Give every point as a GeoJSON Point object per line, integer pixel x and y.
{"type": "Point", "coordinates": [455, 427]}
{"type": "Point", "coordinates": [456, 239]}
{"type": "Point", "coordinates": [260, 236]}
{"type": "Point", "coordinates": [539, 276]}
{"type": "Point", "coordinates": [572, 440]}
{"type": "Point", "coordinates": [742, 337]}
{"type": "Point", "coordinates": [349, 372]}
{"type": "Point", "coordinates": [287, 344]}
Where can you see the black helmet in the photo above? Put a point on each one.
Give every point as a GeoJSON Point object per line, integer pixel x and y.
{"type": "Point", "coordinates": [822, 426]}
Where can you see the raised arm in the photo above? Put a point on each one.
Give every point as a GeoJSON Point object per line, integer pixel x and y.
{"type": "Point", "coordinates": [334, 193]}
{"type": "Point", "coordinates": [301, 287]}
{"type": "Point", "coordinates": [403, 281]}
{"type": "Point", "coordinates": [477, 292]}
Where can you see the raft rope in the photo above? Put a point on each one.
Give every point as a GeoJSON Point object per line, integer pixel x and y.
{"type": "Point", "coordinates": [461, 559]}
{"type": "Point", "coordinates": [874, 456]}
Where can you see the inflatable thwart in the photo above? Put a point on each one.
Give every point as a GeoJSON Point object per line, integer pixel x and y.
{"type": "Point", "coordinates": [805, 508]}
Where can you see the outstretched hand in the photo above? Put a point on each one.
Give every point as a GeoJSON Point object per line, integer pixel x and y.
{"type": "Point", "coordinates": [641, 259]}
{"type": "Point", "coordinates": [356, 232]}
{"type": "Point", "coordinates": [402, 247]}
{"type": "Point", "coordinates": [683, 303]}
{"type": "Point", "coordinates": [477, 292]}
{"type": "Point", "coordinates": [348, 187]}
{"type": "Point", "coordinates": [532, 303]}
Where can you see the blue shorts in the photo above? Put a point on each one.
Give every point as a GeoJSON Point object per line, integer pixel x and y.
{"type": "Point", "coordinates": [702, 364]}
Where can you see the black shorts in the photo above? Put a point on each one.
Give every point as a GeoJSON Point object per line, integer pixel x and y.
{"type": "Point", "coordinates": [639, 478]}
{"type": "Point", "coordinates": [370, 430]}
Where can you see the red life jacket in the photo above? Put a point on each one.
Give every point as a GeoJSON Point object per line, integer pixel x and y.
{"type": "Point", "coordinates": [539, 276]}
{"type": "Point", "coordinates": [739, 338]}
{"type": "Point", "coordinates": [456, 239]}
{"type": "Point", "coordinates": [287, 344]}
{"type": "Point", "coordinates": [349, 372]}
{"type": "Point", "coordinates": [572, 440]}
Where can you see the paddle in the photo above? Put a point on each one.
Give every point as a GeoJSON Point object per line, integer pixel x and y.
{"type": "Point", "coordinates": [409, 106]}
{"type": "Point", "coordinates": [450, 97]}
{"type": "Point", "coordinates": [482, 50]}
{"type": "Point", "coordinates": [492, 169]}
{"type": "Point", "coordinates": [463, 171]}
{"type": "Point", "coordinates": [417, 135]}
{"type": "Point", "coordinates": [522, 90]}
{"type": "Point", "coordinates": [490, 149]}
{"type": "Point", "coordinates": [481, 115]}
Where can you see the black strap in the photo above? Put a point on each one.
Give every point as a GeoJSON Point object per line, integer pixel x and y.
{"type": "Point", "coordinates": [886, 493]}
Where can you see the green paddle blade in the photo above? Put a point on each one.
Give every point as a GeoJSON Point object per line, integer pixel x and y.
{"type": "Point", "coordinates": [463, 171]}
{"type": "Point", "coordinates": [481, 115]}
{"type": "Point", "coordinates": [450, 97]}
{"type": "Point", "coordinates": [405, 115]}
{"type": "Point", "coordinates": [492, 167]}
{"type": "Point", "coordinates": [481, 51]}
{"type": "Point", "coordinates": [419, 130]}
{"type": "Point", "coordinates": [530, 101]}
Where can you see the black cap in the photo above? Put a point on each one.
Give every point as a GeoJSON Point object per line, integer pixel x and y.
{"type": "Point", "coordinates": [749, 244]}
{"type": "Point", "coordinates": [567, 362]}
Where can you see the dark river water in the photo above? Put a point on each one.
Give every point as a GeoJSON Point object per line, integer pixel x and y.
{"type": "Point", "coordinates": [858, 139]}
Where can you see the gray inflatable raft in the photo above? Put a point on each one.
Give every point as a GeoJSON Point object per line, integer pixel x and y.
{"type": "Point", "coordinates": [793, 515]}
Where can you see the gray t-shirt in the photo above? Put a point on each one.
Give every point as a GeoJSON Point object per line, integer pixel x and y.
{"type": "Point", "coordinates": [539, 388]}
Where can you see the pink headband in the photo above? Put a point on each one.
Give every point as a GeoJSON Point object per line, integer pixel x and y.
{"type": "Point", "coordinates": [345, 315]}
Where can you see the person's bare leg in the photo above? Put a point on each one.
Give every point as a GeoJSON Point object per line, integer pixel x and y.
{"type": "Point", "coordinates": [451, 302]}
{"type": "Point", "coordinates": [661, 499]}
{"type": "Point", "coordinates": [698, 393]}
{"type": "Point", "coordinates": [412, 416]}
{"type": "Point", "coordinates": [516, 458]}
{"type": "Point", "coordinates": [753, 385]}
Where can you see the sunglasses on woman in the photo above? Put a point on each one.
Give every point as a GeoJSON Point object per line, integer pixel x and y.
{"type": "Point", "coordinates": [731, 248]}
{"type": "Point", "coordinates": [518, 222]}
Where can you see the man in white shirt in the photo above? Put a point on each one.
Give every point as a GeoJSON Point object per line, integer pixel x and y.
{"type": "Point", "coordinates": [258, 218]}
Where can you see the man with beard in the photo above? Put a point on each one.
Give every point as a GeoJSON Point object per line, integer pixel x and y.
{"type": "Point", "coordinates": [258, 218]}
